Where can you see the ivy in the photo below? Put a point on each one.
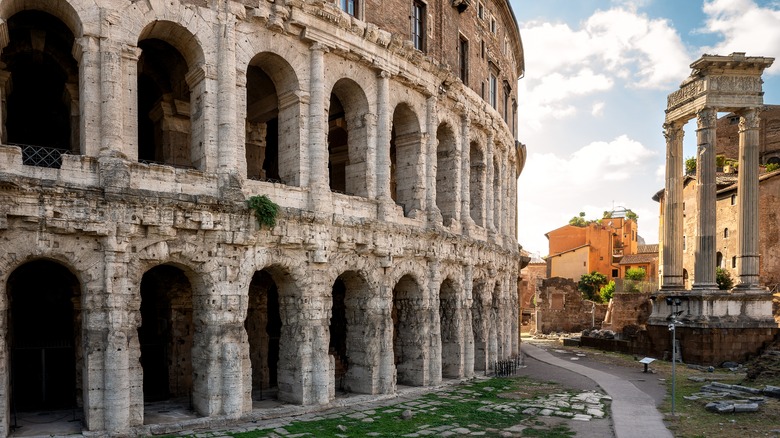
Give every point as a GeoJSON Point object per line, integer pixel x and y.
{"type": "Point", "coordinates": [265, 210]}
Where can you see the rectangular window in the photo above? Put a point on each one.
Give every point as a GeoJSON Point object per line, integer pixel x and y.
{"type": "Point", "coordinates": [507, 93]}
{"type": "Point", "coordinates": [734, 199]}
{"type": "Point", "coordinates": [493, 90]}
{"type": "Point", "coordinates": [480, 10]}
{"type": "Point", "coordinates": [734, 262]}
{"type": "Point", "coordinates": [482, 48]}
{"type": "Point", "coordinates": [463, 64]}
{"type": "Point", "coordinates": [493, 25]}
{"type": "Point", "coordinates": [349, 6]}
{"type": "Point", "coordinates": [482, 90]}
{"type": "Point", "coordinates": [418, 25]}
{"type": "Point", "coordinates": [725, 233]}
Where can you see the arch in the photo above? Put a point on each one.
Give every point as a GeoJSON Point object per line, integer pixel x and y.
{"type": "Point", "coordinates": [354, 333]}
{"type": "Point", "coordinates": [64, 10]}
{"type": "Point", "coordinates": [405, 159]}
{"type": "Point", "coordinates": [450, 328]}
{"type": "Point", "coordinates": [42, 106]}
{"type": "Point", "coordinates": [348, 138]}
{"type": "Point", "coordinates": [477, 172]}
{"type": "Point", "coordinates": [263, 325]}
{"type": "Point", "coordinates": [447, 173]}
{"type": "Point", "coordinates": [45, 360]}
{"type": "Point", "coordinates": [170, 93]}
{"type": "Point", "coordinates": [480, 314]}
{"type": "Point", "coordinates": [272, 119]}
{"type": "Point", "coordinates": [167, 332]}
{"type": "Point", "coordinates": [408, 332]}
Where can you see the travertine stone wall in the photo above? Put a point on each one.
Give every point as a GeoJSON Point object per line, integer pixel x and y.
{"type": "Point", "coordinates": [408, 277]}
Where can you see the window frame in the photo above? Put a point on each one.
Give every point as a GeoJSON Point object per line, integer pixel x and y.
{"type": "Point", "coordinates": [463, 58]}
{"type": "Point", "coordinates": [493, 90]}
{"type": "Point", "coordinates": [418, 24]}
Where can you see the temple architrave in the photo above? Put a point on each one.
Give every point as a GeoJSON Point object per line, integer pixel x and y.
{"type": "Point", "coordinates": [714, 325]}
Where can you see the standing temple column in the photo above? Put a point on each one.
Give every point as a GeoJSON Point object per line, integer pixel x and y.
{"type": "Point", "coordinates": [747, 190]}
{"type": "Point", "coordinates": [672, 277]}
{"type": "Point", "coordinates": [706, 187]}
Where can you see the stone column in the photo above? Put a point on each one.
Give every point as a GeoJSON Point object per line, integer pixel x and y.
{"type": "Point", "coordinates": [226, 98]}
{"type": "Point", "coordinates": [704, 277]}
{"type": "Point", "coordinates": [111, 94]}
{"type": "Point", "coordinates": [672, 277]}
{"type": "Point", "coordinates": [489, 169]}
{"type": "Point", "coordinates": [465, 174]}
{"type": "Point", "coordinates": [5, 76]}
{"type": "Point", "coordinates": [130, 55]}
{"type": "Point", "coordinates": [429, 154]}
{"type": "Point", "coordinates": [370, 123]}
{"type": "Point", "coordinates": [319, 190]}
{"type": "Point", "coordinates": [747, 190]}
{"type": "Point", "coordinates": [86, 51]}
{"type": "Point", "coordinates": [468, 332]}
{"type": "Point", "coordinates": [383, 138]}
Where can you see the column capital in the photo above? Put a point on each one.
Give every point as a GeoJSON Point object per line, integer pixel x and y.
{"type": "Point", "coordinates": [749, 119]}
{"type": "Point", "coordinates": [85, 44]}
{"type": "Point", "coordinates": [673, 130]}
{"type": "Point", "coordinates": [317, 46]}
{"type": "Point", "coordinates": [383, 74]}
{"type": "Point", "coordinates": [706, 117]}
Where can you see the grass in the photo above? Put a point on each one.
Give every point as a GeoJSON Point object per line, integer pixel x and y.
{"type": "Point", "coordinates": [461, 406]}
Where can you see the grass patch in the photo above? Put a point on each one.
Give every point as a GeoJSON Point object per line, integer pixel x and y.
{"type": "Point", "coordinates": [488, 406]}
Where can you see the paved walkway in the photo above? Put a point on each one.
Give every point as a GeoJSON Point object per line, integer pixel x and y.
{"type": "Point", "coordinates": [634, 412]}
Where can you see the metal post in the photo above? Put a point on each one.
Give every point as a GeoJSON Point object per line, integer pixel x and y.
{"type": "Point", "coordinates": [674, 362]}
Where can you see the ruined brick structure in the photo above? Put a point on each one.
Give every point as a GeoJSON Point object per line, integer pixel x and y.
{"type": "Point", "coordinates": [134, 131]}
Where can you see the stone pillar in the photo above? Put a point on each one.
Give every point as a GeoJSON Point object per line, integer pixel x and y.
{"type": "Point", "coordinates": [672, 277]}
{"type": "Point", "coordinates": [747, 189]}
{"type": "Point", "coordinates": [704, 277]}
{"type": "Point", "coordinates": [489, 169]}
{"type": "Point", "coordinates": [468, 332]}
{"type": "Point", "coordinates": [383, 139]}
{"type": "Point", "coordinates": [202, 81]}
{"type": "Point", "coordinates": [429, 154]}
{"type": "Point", "coordinates": [226, 98]}
{"type": "Point", "coordinates": [86, 51]}
{"type": "Point", "coordinates": [465, 174]}
{"type": "Point", "coordinates": [111, 94]}
{"type": "Point", "coordinates": [370, 123]}
{"type": "Point", "coordinates": [130, 55]}
{"type": "Point", "coordinates": [435, 347]}
{"type": "Point", "coordinates": [319, 190]}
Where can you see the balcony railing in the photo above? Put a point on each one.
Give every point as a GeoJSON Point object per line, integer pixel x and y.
{"type": "Point", "coordinates": [42, 156]}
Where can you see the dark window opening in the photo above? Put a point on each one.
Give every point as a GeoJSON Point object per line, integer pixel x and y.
{"type": "Point", "coordinates": [418, 25]}
{"type": "Point", "coordinates": [262, 127]}
{"type": "Point", "coordinates": [463, 51]}
{"type": "Point", "coordinates": [263, 325]}
{"type": "Point", "coordinates": [338, 149]}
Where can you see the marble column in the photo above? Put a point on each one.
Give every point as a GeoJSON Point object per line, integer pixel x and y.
{"type": "Point", "coordinates": [747, 190]}
{"type": "Point", "coordinates": [704, 270]}
{"type": "Point", "coordinates": [672, 277]}
{"type": "Point", "coordinates": [86, 51]}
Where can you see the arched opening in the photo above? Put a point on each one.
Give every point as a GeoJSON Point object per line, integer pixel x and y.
{"type": "Point", "coordinates": [44, 340]}
{"type": "Point", "coordinates": [263, 327]}
{"type": "Point", "coordinates": [479, 325]}
{"type": "Point", "coordinates": [351, 334]}
{"type": "Point", "coordinates": [338, 146]}
{"type": "Point", "coordinates": [477, 184]}
{"type": "Point", "coordinates": [408, 340]}
{"type": "Point", "coordinates": [262, 126]}
{"type": "Point", "coordinates": [166, 334]}
{"type": "Point", "coordinates": [405, 156]}
{"type": "Point", "coordinates": [164, 127]}
{"type": "Point", "coordinates": [495, 334]}
{"type": "Point", "coordinates": [42, 105]}
{"type": "Point", "coordinates": [686, 284]}
{"type": "Point", "coordinates": [348, 139]}
{"type": "Point", "coordinates": [451, 336]}
{"type": "Point", "coordinates": [446, 173]}
{"type": "Point", "coordinates": [719, 259]}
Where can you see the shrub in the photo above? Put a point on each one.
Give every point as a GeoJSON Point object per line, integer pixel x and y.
{"type": "Point", "coordinates": [265, 210]}
{"type": "Point", "coordinates": [771, 167]}
{"type": "Point", "coordinates": [590, 285]}
{"type": "Point", "coordinates": [723, 279]}
{"type": "Point", "coordinates": [607, 291]}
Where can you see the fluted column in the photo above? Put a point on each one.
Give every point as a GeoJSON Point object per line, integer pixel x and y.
{"type": "Point", "coordinates": [747, 191]}
{"type": "Point", "coordinates": [706, 188]}
{"type": "Point", "coordinates": [673, 213]}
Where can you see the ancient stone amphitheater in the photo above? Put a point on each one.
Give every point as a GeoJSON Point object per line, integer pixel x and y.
{"type": "Point", "coordinates": [133, 134]}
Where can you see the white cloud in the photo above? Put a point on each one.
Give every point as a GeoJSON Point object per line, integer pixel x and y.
{"type": "Point", "coordinates": [745, 27]}
{"type": "Point", "coordinates": [597, 110]}
{"type": "Point", "coordinates": [615, 46]}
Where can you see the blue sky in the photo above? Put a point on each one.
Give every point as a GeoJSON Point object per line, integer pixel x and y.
{"type": "Point", "coordinates": [591, 104]}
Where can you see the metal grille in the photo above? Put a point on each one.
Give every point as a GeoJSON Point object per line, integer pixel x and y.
{"type": "Point", "coordinates": [42, 156]}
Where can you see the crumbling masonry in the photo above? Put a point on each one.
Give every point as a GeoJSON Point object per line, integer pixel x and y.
{"type": "Point", "coordinates": [134, 131]}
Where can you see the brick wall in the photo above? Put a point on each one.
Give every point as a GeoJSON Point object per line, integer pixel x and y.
{"type": "Point", "coordinates": [561, 307]}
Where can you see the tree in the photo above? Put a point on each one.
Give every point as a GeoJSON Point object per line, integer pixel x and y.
{"type": "Point", "coordinates": [635, 274]}
{"type": "Point", "coordinates": [723, 279]}
{"type": "Point", "coordinates": [607, 291]}
{"type": "Point", "coordinates": [631, 215]}
{"type": "Point", "coordinates": [690, 166]}
{"type": "Point", "coordinates": [578, 221]}
{"type": "Point", "coordinates": [590, 285]}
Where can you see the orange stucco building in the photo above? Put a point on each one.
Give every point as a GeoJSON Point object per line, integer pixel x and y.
{"type": "Point", "coordinates": [597, 246]}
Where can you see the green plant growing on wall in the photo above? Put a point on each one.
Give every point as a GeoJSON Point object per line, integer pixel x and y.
{"type": "Point", "coordinates": [607, 291]}
{"type": "Point", "coordinates": [633, 276]}
{"type": "Point", "coordinates": [265, 210]}
{"type": "Point", "coordinates": [771, 167]}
